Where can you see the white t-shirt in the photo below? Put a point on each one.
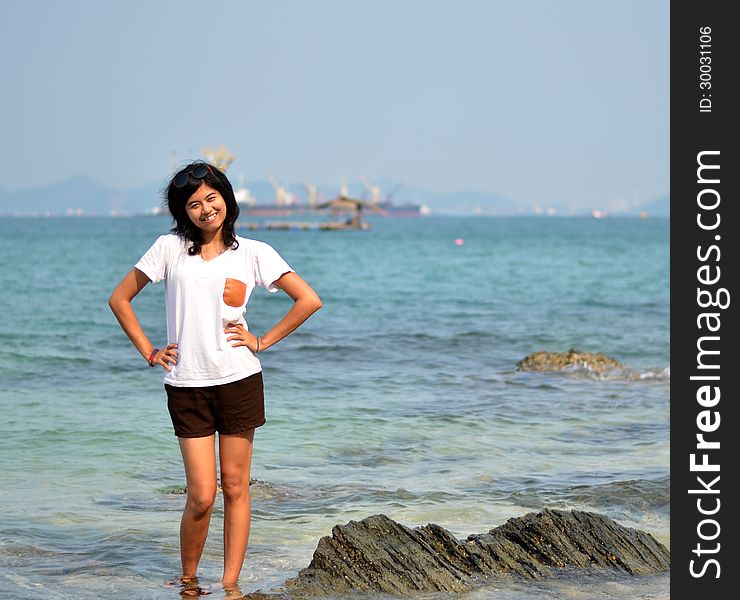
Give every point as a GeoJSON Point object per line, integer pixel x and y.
{"type": "Point", "coordinates": [198, 309]}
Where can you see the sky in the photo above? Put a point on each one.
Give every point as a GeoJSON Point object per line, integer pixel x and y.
{"type": "Point", "coordinates": [544, 102]}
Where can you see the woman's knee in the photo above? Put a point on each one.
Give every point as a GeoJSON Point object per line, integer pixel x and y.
{"type": "Point", "coordinates": [201, 501]}
{"type": "Point", "coordinates": [235, 488]}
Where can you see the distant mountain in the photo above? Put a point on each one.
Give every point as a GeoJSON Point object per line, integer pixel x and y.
{"type": "Point", "coordinates": [84, 195]}
{"type": "Point", "coordinates": [142, 199]}
{"type": "Point", "coordinates": [80, 193]}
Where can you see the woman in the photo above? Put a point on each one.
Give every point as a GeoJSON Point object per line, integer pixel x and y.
{"type": "Point", "coordinates": [212, 375]}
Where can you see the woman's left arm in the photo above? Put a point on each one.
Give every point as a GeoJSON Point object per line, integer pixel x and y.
{"type": "Point", "coordinates": [305, 302]}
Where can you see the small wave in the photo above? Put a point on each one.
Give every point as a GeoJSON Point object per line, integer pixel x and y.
{"type": "Point", "coordinates": [367, 457]}
{"type": "Point", "coordinates": [616, 374]}
{"type": "Point", "coordinates": [628, 374]}
{"type": "Point", "coordinates": [657, 374]}
{"type": "Point", "coordinates": [617, 498]}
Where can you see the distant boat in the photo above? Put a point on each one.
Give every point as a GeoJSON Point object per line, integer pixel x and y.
{"type": "Point", "coordinates": [341, 204]}
{"type": "Point", "coordinates": [386, 205]}
{"type": "Point", "coordinates": [598, 214]}
{"type": "Point", "coordinates": [402, 210]}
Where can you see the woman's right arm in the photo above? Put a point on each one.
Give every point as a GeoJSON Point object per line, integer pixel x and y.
{"type": "Point", "coordinates": [120, 304]}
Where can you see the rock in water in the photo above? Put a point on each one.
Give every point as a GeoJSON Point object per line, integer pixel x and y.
{"type": "Point", "coordinates": [378, 554]}
{"type": "Point", "coordinates": [572, 359]}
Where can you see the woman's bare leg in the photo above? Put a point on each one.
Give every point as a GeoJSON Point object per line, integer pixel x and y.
{"type": "Point", "coordinates": [199, 458]}
{"type": "Point", "coordinates": [235, 455]}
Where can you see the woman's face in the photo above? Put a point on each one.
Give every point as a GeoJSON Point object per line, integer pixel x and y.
{"type": "Point", "coordinates": [206, 209]}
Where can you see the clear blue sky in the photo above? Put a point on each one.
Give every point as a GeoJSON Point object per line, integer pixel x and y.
{"type": "Point", "coordinates": [548, 102]}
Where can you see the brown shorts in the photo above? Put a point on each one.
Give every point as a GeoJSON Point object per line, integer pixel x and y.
{"type": "Point", "coordinates": [227, 408]}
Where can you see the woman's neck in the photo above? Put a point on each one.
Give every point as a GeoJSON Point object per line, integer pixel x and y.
{"type": "Point", "coordinates": [212, 246]}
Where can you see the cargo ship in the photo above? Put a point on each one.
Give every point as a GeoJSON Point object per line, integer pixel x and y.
{"type": "Point", "coordinates": [287, 204]}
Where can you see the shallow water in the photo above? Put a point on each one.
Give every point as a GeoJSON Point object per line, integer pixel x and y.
{"type": "Point", "coordinates": [399, 397]}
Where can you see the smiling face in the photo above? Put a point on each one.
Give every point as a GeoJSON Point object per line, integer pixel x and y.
{"type": "Point", "coordinates": [207, 210]}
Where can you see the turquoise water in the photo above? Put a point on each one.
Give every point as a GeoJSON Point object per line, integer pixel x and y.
{"type": "Point", "coordinates": [399, 397]}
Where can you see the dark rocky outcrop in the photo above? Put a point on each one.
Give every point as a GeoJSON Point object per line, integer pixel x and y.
{"type": "Point", "coordinates": [378, 554]}
{"type": "Point", "coordinates": [572, 359]}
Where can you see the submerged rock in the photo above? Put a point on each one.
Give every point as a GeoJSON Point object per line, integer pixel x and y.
{"type": "Point", "coordinates": [378, 554]}
{"type": "Point", "coordinates": [182, 490]}
{"type": "Point", "coordinates": [572, 359]}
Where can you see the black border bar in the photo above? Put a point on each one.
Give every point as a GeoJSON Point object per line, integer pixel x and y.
{"type": "Point", "coordinates": [704, 368]}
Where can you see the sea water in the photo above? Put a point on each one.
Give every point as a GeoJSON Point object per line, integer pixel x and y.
{"type": "Point", "coordinates": [401, 396]}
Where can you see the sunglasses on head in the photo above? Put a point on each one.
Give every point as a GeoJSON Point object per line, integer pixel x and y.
{"type": "Point", "coordinates": [198, 172]}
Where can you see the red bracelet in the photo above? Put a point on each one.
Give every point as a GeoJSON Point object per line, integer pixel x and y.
{"type": "Point", "coordinates": [151, 357]}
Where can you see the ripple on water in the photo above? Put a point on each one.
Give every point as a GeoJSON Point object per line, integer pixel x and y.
{"type": "Point", "coordinates": [643, 503]}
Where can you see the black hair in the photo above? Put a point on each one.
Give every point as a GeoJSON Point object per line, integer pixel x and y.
{"type": "Point", "coordinates": [176, 199]}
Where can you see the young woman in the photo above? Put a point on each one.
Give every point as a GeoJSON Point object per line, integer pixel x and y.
{"type": "Point", "coordinates": [212, 375]}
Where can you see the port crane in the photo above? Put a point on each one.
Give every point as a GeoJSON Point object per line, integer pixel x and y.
{"type": "Point", "coordinates": [221, 158]}
{"type": "Point", "coordinates": [373, 189]}
{"type": "Point", "coordinates": [310, 193]}
{"type": "Point", "coordinates": [282, 196]}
